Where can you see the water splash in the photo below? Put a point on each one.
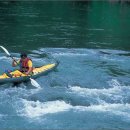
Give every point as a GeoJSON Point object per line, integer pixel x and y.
{"type": "Point", "coordinates": [117, 93]}
{"type": "Point", "coordinates": [38, 109]}
{"type": "Point", "coordinates": [34, 109]}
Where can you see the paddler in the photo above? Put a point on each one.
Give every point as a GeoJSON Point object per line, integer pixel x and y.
{"type": "Point", "coordinates": [25, 63]}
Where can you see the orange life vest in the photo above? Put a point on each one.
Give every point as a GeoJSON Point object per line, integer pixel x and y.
{"type": "Point", "coordinates": [24, 65]}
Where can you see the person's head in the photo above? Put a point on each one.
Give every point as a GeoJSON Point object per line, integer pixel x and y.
{"type": "Point", "coordinates": [23, 55]}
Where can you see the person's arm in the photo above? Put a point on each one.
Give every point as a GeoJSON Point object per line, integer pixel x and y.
{"type": "Point", "coordinates": [29, 70]}
{"type": "Point", "coordinates": [14, 63]}
{"type": "Point", "coordinates": [30, 65]}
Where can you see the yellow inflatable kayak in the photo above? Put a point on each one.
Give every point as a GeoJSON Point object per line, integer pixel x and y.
{"type": "Point", "coordinates": [16, 76]}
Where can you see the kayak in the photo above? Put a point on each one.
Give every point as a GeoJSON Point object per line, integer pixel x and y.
{"type": "Point", "coordinates": [17, 77]}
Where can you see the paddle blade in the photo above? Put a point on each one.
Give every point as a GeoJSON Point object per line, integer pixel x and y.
{"type": "Point", "coordinates": [34, 83]}
{"type": "Point", "coordinates": [6, 51]}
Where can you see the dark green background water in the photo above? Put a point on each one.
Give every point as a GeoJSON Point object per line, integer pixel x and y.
{"type": "Point", "coordinates": [34, 24]}
{"type": "Point", "coordinates": [90, 89]}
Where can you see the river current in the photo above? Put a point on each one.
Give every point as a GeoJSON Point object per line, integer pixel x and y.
{"type": "Point", "coordinates": [90, 88]}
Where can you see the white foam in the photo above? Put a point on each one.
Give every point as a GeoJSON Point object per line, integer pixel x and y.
{"type": "Point", "coordinates": [15, 92]}
{"type": "Point", "coordinates": [122, 110]}
{"type": "Point", "coordinates": [3, 58]}
{"type": "Point", "coordinates": [78, 52]}
{"type": "Point", "coordinates": [115, 93]}
{"type": "Point", "coordinates": [88, 92]}
{"type": "Point", "coordinates": [69, 54]}
{"type": "Point", "coordinates": [110, 58]}
{"type": "Point", "coordinates": [114, 82]}
{"type": "Point", "coordinates": [82, 51]}
{"type": "Point", "coordinates": [35, 109]}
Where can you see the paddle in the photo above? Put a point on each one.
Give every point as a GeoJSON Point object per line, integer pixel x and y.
{"type": "Point", "coordinates": [33, 82]}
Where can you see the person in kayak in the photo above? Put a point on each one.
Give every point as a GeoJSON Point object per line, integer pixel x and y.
{"type": "Point", "coordinates": [25, 63]}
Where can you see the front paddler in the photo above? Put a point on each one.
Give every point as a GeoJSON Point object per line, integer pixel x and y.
{"type": "Point", "coordinates": [25, 63]}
